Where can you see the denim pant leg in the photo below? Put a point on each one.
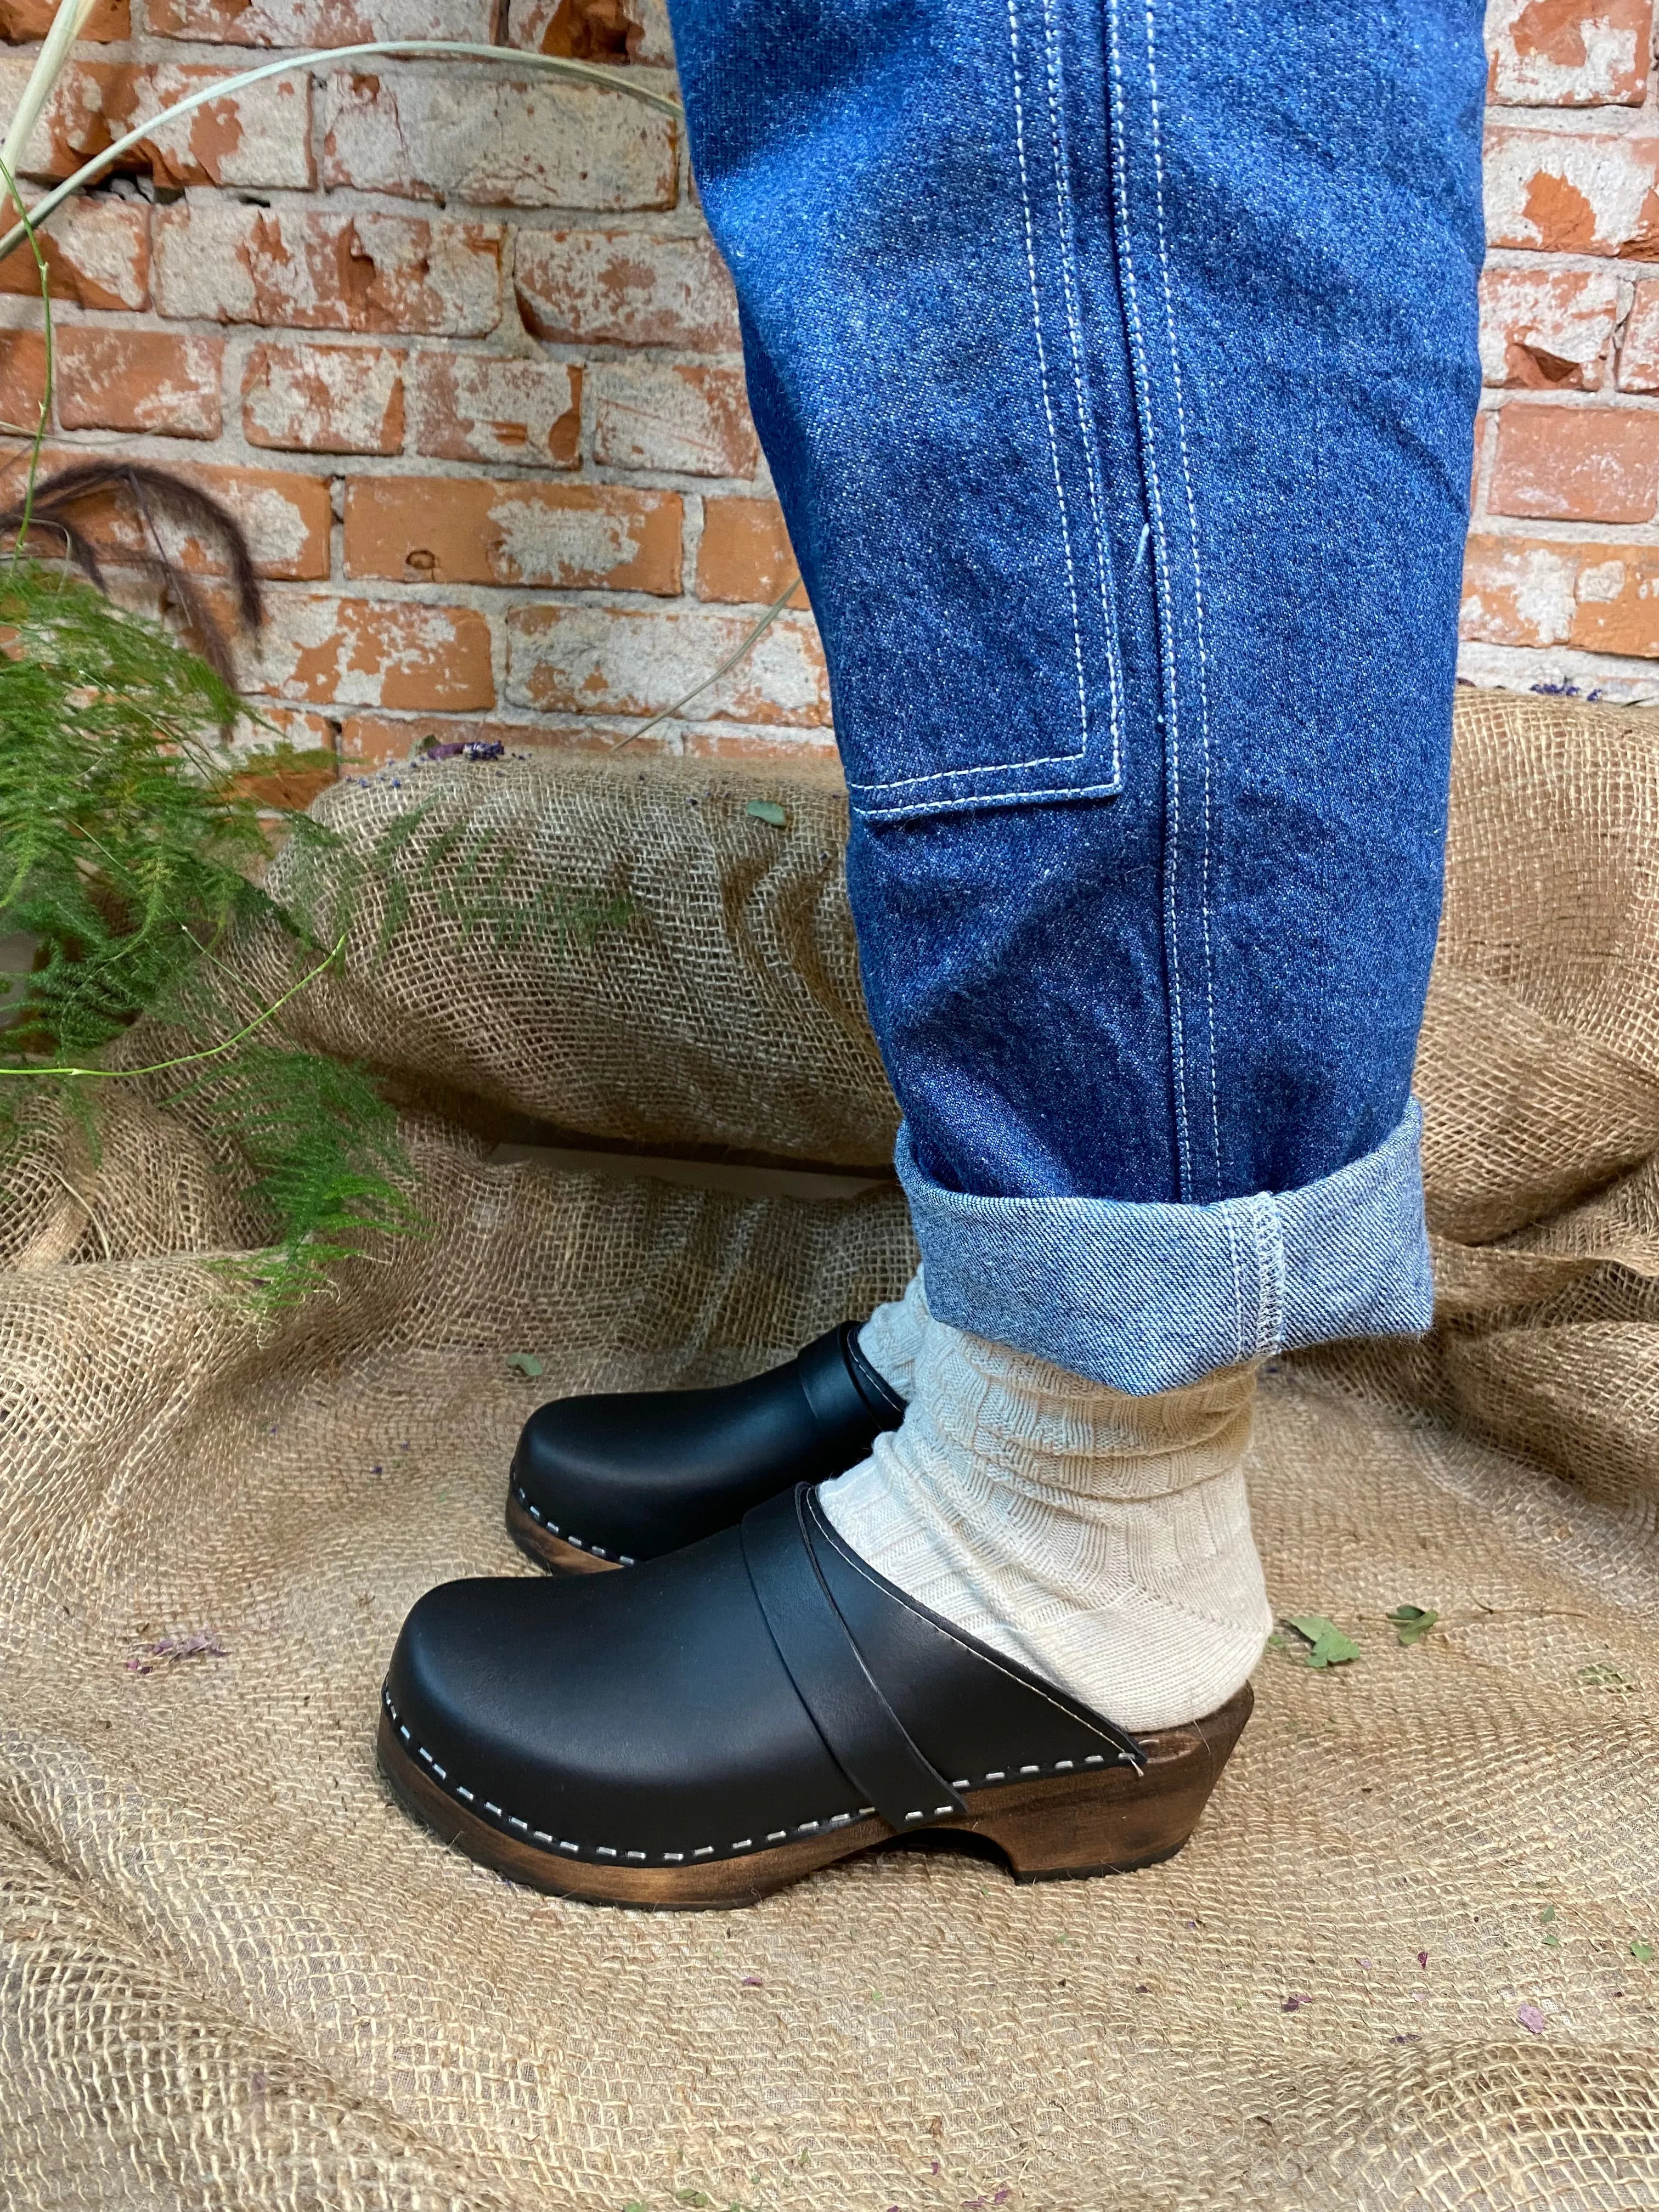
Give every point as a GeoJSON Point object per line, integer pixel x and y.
{"type": "Point", "coordinates": [1114, 361]}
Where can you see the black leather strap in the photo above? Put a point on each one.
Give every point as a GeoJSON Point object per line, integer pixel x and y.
{"type": "Point", "coordinates": [865, 1735]}
{"type": "Point", "coordinates": [822, 1369]}
{"type": "Point", "coordinates": [878, 1393]}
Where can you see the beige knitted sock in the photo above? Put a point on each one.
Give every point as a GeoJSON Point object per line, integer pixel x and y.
{"type": "Point", "coordinates": [891, 1338]}
{"type": "Point", "coordinates": [1103, 1541]}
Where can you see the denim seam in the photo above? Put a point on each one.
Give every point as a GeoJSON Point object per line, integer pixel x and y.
{"type": "Point", "coordinates": [1270, 1275]}
{"type": "Point", "coordinates": [1198, 579]}
{"type": "Point", "coordinates": [1085, 428]}
{"type": "Point", "coordinates": [1161, 570]}
{"type": "Point", "coordinates": [1241, 1336]}
{"type": "Point", "coordinates": [1043, 369]}
{"type": "Point", "coordinates": [980, 801]}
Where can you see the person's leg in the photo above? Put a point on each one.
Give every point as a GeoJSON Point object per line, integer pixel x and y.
{"type": "Point", "coordinates": [1116, 369]}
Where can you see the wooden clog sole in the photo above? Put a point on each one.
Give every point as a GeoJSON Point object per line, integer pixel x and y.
{"type": "Point", "coordinates": [1064, 1827]}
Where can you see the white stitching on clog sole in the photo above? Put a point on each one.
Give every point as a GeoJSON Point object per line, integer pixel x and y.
{"type": "Point", "coordinates": [542, 1837]}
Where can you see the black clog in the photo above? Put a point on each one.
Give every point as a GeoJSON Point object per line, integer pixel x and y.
{"type": "Point", "coordinates": [715, 1725]}
{"type": "Point", "coordinates": [606, 1481]}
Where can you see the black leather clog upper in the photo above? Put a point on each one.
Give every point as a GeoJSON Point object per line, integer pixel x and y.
{"type": "Point", "coordinates": [633, 1474]}
{"type": "Point", "coordinates": [760, 1685]}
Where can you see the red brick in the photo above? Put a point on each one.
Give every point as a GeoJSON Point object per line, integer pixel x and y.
{"type": "Point", "coordinates": [96, 252]}
{"type": "Point", "coordinates": [22, 22]}
{"type": "Point", "coordinates": [462, 531]}
{"type": "Point", "coordinates": [1546, 328]}
{"type": "Point", "coordinates": [620, 287]}
{"type": "Point", "coordinates": [672, 415]}
{"type": "Point", "coordinates": [366, 652]}
{"type": "Point", "coordinates": [592, 30]}
{"type": "Point", "coordinates": [22, 384]}
{"type": "Point", "coordinates": [1569, 53]}
{"type": "Point", "coordinates": [121, 380]}
{"type": "Point", "coordinates": [1518, 591]}
{"type": "Point", "coordinates": [493, 142]}
{"type": "Point", "coordinates": [324, 398]}
{"type": "Point", "coordinates": [258, 137]}
{"type": "Point", "coordinates": [301, 23]}
{"type": "Point", "coordinates": [1616, 600]}
{"type": "Point", "coordinates": [600, 660]}
{"type": "Point", "coordinates": [1535, 592]}
{"type": "Point", "coordinates": [478, 407]}
{"type": "Point", "coordinates": [1638, 348]}
{"type": "Point", "coordinates": [226, 263]}
{"type": "Point", "coordinates": [1576, 464]}
{"type": "Point", "coordinates": [1571, 192]}
{"type": "Point", "coordinates": [287, 517]}
{"type": "Point", "coordinates": [744, 556]}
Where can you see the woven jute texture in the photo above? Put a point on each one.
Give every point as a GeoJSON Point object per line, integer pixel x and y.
{"type": "Point", "coordinates": [1394, 1968]}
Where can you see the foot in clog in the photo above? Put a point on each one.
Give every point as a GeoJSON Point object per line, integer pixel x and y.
{"type": "Point", "coordinates": [715, 1725]}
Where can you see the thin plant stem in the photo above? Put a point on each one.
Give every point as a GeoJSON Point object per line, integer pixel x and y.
{"type": "Point", "coordinates": [746, 645]}
{"type": "Point", "coordinates": [26, 224]}
{"type": "Point", "coordinates": [406, 49]}
{"type": "Point", "coordinates": [190, 1058]}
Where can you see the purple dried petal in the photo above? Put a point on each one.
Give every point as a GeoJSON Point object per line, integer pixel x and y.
{"type": "Point", "coordinates": [483, 748]}
{"type": "Point", "coordinates": [1531, 2019]}
{"type": "Point", "coordinates": [1294, 2003]}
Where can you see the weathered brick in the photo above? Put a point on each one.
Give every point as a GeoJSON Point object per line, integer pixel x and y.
{"type": "Point", "coordinates": [1481, 423]}
{"type": "Point", "coordinates": [1545, 591]}
{"type": "Point", "coordinates": [96, 252]}
{"type": "Point", "coordinates": [370, 652]}
{"type": "Point", "coordinates": [462, 531]}
{"type": "Point", "coordinates": [1546, 328]}
{"type": "Point", "coordinates": [286, 516]}
{"type": "Point", "coordinates": [1568, 53]}
{"type": "Point", "coordinates": [123, 379]}
{"type": "Point", "coordinates": [22, 22]}
{"type": "Point", "coordinates": [600, 660]}
{"type": "Point", "coordinates": [258, 137]}
{"type": "Point", "coordinates": [1518, 591]}
{"type": "Point", "coordinates": [470, 135]}
{"type": "Point", "coordinates": [22, 381]}
{"type": "Point", "coordinates": [319, 22]}
{"type": "Point", "coordinates": [672, 415]}
{"type": "Point", "coordinates": [592, 30]}
{"type": "Point", "coordinates": [744, 556]}
{"type": "Point", "coordinates": [621, 287]}
{"type": "Point", "coordinates": [1572, 193]}
{"type": "Point", "coordinates": [230, 264]}
{"type": "Point", "coordinates": [480, 407]}
{"type": "Point", "coordinates": [324, 398]}
{"type": "Point", "coordinates": [1576, 464]}
{"type": "Point", "coordinates": [1638, 346]}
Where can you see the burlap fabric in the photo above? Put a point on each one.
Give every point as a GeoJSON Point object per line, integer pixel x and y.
{"type": "Point", "coordinates": [1395, 1966]}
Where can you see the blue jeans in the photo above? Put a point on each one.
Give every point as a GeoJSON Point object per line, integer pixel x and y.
{"type": "Point", "coordinates": [1115, 363]}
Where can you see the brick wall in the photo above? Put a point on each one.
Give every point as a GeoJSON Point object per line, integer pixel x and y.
{"type": "Point", "coordinates": [1562, 584]}
{"type": "Point", "coordinates": [453, 343]}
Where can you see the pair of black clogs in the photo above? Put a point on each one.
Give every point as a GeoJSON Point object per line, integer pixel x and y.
{"type": "Point", "coordinates": [748, 1700]}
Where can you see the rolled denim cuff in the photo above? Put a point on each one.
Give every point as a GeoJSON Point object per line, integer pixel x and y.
{"type": "Point", "coordinates": [1147, 1298]}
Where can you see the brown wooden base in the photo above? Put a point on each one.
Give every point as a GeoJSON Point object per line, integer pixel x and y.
{"type": "Point", "coordinates": [547, 1550]}
{"type": "Point", "coordinates": [1109, 1820]}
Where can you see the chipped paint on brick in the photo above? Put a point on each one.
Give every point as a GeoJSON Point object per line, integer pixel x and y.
{"type": "Point", "coordinates": [467, 134]}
